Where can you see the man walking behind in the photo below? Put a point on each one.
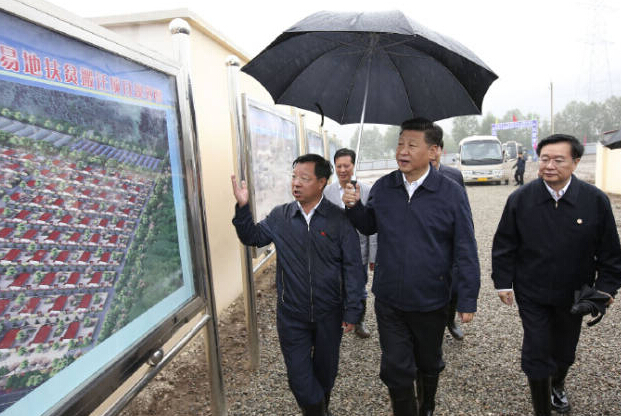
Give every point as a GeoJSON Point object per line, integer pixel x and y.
{"type": "Point", "coordinates": [556, 234]}
{"type": "Point", "coordinates": [423, 227]}
{"type": "Point", "coordinates": [344, 162]}
{"type": "Point", "coordinates": [319, 278]}
{"type": "Point", "coordinates": [520, 165]}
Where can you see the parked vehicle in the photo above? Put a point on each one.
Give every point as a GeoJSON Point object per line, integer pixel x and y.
{"type": "Point", "coordinates": [481, 160]}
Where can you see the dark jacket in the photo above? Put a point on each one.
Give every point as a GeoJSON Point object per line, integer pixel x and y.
{"type": "Point", "coordinates": [418, 241]}
{"type": "Point", "coordinates": [520, 163]}
{"type": "Point", "coordinates": [454, 174]}
{"type": "Point", "coordinates": [545, 251]}
{"type": "Point", "coordinates": [319, 269]}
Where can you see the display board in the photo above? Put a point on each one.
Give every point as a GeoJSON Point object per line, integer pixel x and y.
{"type": "Point", "coordinates": [314, 143]}
{"type": "Point", "coordinates": [274, 145]}
{"type": "Point", "coordinates": [97, 257]}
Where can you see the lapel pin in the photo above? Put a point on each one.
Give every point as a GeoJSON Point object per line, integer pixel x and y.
{"type": "Point", "coordinates": [579, 220]}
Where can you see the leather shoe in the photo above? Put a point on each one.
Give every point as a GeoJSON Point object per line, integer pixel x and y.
{"type": "Point", "coordinates": [455, 330]}
{"type": "Point", "coordinates": [362, 331]}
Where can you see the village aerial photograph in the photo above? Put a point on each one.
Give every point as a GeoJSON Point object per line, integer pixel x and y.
{"type": "Point", "coordinates": [88, 236]}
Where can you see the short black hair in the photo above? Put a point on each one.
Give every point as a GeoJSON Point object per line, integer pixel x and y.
{"type": "Point", "coordinates": [433, 132]}
{"type": "Point", "coordinates": [345, 152]}
{"type": "Point", "coordinates": [577, 149]}
{"type": "Point", "coordinates": [323, 168]}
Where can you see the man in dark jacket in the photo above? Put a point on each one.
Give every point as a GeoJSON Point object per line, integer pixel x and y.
{"type": "Point", "coordinates": [319, 278]}
{"type": "Point", "coordinates": [556, 234]}
{"type": "Point", "coordinates": [455, 174]}
{"type": "Point", "coordinates": [520, 165]}
{"type": "Point", "coordinates": [423, 226]}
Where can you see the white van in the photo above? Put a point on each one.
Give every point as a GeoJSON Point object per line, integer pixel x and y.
{"type": "Point", "coordinates": [480, 160]}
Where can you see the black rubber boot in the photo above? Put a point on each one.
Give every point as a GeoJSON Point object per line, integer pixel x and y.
{"type": "Point", "coordinates": [451, 323]}
{"type": "Point", "coordinates": [326, 400]}
{"type": "Point", "coordinates": [361, 329]}
{"type": "Point", "coordinates": [317, 409]}
{"type": "Point", "coordinates": [560, 403]}
{"type": "Point", "coordinates": [540, 392]}
{"type": "Point", "coordinates": [403, 401]}
{"type": "Point", "coordinates": [426, 387]}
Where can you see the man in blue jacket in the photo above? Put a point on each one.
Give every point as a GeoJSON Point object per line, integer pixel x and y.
{"type": "Point", "coordinates": [423, 226]}
{"type": "Point", "coordinates": [556, 234]}
{"type": "Point", "coordinates": [319, 278]}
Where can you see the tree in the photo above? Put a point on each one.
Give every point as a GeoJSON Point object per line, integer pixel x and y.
{"type": "Point", "coordinates": [464, 126]}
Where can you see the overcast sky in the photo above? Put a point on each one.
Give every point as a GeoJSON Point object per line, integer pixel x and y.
{"type": "Point", "coordinates": [576, 44]}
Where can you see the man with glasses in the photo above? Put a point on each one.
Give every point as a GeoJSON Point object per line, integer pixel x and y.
{"type": "Point", "coordinates": [319, 278]}
{"type": "Point", "coordinates": [556, 234]}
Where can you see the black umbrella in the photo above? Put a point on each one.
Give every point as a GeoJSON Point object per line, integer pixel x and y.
{"type": "Point", "coordinates": [614, 141]}
{"type": "Point", "coordinates": [378, 67]}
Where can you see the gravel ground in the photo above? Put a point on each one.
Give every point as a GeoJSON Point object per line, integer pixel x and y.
{"type": "Point", "coordinates": [482, 375]}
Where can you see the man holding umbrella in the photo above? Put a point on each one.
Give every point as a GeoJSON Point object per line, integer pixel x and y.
{"type": "Point", "coordinates": [424, 226]}
{"type": "Point", "coordinates": [556, 234]}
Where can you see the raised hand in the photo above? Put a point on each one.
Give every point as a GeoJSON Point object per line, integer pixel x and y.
{"type": "Point", "coordinates": [240, 191]}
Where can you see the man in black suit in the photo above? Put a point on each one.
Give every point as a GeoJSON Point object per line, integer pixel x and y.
{"type": "Point", "coordinates": [455, 174]}
{"type": "Point", "coordinates": [556, 234]}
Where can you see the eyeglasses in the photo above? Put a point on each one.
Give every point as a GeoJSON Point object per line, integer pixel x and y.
{"type": "Point", "coordinates": [303, 179]}
{"type": "Point", "coordinates": [557, 161]}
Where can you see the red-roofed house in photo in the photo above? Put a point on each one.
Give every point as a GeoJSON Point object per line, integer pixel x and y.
{"type": "Point", "coordinates": [39, 255]}
{"type": "Point", "coordinates": [138, 189]}
{"type": "Point", "coordinates": [105, 257]}
{"type": "Point", "coordinates": [86, 301]}
{"type": "Point", "coordinates": [120, 224]}
{"type": "Point", "coordinates": [45, 172]}
{"type": "Point", "coordinates": [73, 278]}
{"type": "Point", "coordinates": [72, 330]}
{"type": "Point", "coordinates": [59, 202]}
{"type": "Point", "coordinates": [59, 304]}
{"type": "Point", "coordinates": [95, 207]}
{"type": "Point", "coordinates": [132, 199]}
{"type": "Point", "coordinates": [42, 334]}
{"type": "Point", "coordinates": [113, 239]}
{"type": "Point", "coordinates": [66, 219]}
{"type": "Point", "coordinates": [22, 214]}
{"type": "Point", "coordinates": [48, 280]}
{"type": "Point", "coordinates": [77, 204]}
{"type": "Point", "coordinates": [8, 339]}
{"type": "Point", "coordinates": [56, 162]}
{"type": "Point", "coordinates": [37, 199]}
{"type": "Point", "coordinates": [126, 211]}
{"type": "Point", "coordinates": [15, 196]}
{"type": "Point", "coordinates": [51, 187]}
{"type": "Point", "coordinates": [69, 190]}
{"type": "Point", "coordinates": [45, 217]}
{"type": "Point", "coordinates": [95, 238]}
{"type": "Point", "coordinates": [111, 208]}
{"type": "Point", "coordinates": [9, 152]}
{"type": "Point", "coordinates": [84, 257]}
{"type": "Point", "coordinates": [103, 194]}
{"type": "Point", "coordinates": [95, 181]}
{"type": "Point", "coordinates": [72, 165]}
{"type": "Point", "coordinates": [95, 279]}
{"type": "Point", "coordinates": [31, 306]}
{"type": "Point", "coordinates": [88, 168]}
{"type": "Point", "coordinates": [86, 192]}
{"type": "Point", "coordinates": [30, 234]}
{"type": "Point", "coordinates": [12, 254]}
{"type": "Point", "coordinates": [13, 166]}
{"type": "Point", "coordinates": [5, 232]}
{"type": "Point", "coordinates": [124, 186]}
{"type": "Point", "coordinates": [53, 236]}
{"type": "Point", "coordinates": [63, 256]}
{"type": "Point", "coordinates": [29, 156]}
{"type": "Point", "coordinates": [3, 305]}
{"type": "Point", "coordinates": [31, 183]}
{"type": "Point", "coordinates": [103, 222]}
{"type": "Point", "coordinates": [20, 280]}
{"type": "Point", "coordinates": [75, 237]}
{"type": "Point", "coordinates": [80, 178]}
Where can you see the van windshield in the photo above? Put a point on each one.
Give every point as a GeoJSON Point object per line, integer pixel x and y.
{"type": "Point", "coordinates": [481, 152]}
{"type": "Point", "coordinates": [511, 151]}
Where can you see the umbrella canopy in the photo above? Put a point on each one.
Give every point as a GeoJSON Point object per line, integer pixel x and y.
{"type": "Point", "coordinates": [614, 141]}
{"type": "Point", "coordinates": [382, 65]}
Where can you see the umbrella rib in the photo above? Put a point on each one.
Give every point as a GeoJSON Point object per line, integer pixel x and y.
{"type": "Point", "coordinates": [407, 93]}
{"type": "Point", "coordinates": [351, 88]}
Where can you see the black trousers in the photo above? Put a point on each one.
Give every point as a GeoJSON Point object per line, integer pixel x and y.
{"type": "Point", "coordinates": [519, 177]}
{"type": "Point", "coordinates": [410, 342]}
{"type": "Point", "coordinates": [551, 336]}
{"type": "Point", "coordinates": [311, 353]}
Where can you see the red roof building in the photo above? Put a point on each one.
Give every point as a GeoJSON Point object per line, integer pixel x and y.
{"type": "Point", "coordinates": [29, 156]}
{"type": "Point", "coordinates": [31, 306]}
{"type": "Point", "coordinates": [113, 239]}
{"type": "Point", "coordinates": [12, 254]}
{"type": "Point", "coordinates": [53, 236]}
{"type": "Point", "coordinates": [73, 278]}
{"type": "Point", "coordinates": [42, 334]}
{"type": "Point", "coordinates": [72, 165]}
{"type": "Point", "coordinates": [77, 204]}
{"type": "Point", "coordinates": [59, 304]}
{"type": "Point", "coordinates": [75, 237]}
{"type": "Point", "coordinates": [45, 172]}
{"type": "Point", "coordinates": [15, 196]}
{"type": "Point", "coordinates": [9, 152]}
{"type": "Point", "coordinates": [69, 190]}
{"type": "Point", "coordinates": [14, 166]}
{"type": "Point", "coordinates": [95, 279]}
{"type": "Point", "coordinates": [31, 183]}
{"type": "Point", "coordinates": [66, 219]}
{"type": "Point", "coordinates": [103, 222]}
{"type": "Point", "coordinates": [86, 301]}
{"type": "Point", "coordinates": [37, 199]}
{"type": "Point", "coordinates": [5, 232]}
{"type": "Point", "coordinates": [111, 208]}
{"type": "Point", "coordinates": [132, 199]}
{"type": "Point", "coordinates": [80, 178]}
{"type": "Point", "coordinates": [63, 256]}
{"type": "Point", "coordinates": [126, 211]}
{"type": "Point", "coordinates": [95, 181]}
{"type": "Point", "coordinates": [95, 207]}
{"type": "Point", "coordinates": [72, 330]}
{"type": "Point", "coordinates": [85, 221]}
{"type": "Point", "coordinates": [103, 194]}
{"type": "Point", "coordinates": [39, 255]}
{"type": "Point", "coordinates": [3, 305]}
{"type": "Point", "coordinates": [20, 280]}
{"type": "Point", "coordinates": [120, 224]}
{"type": "Point", "coordinates": [86, 192]}
{"type": "Point", "coordinates": [22, 214]}
{"type": "Point", "coordinates": [48, 280]}
{"type": "Point", "coordinates": [9, 338]}
{"type": "Point", "coordinates": [59, 202]}
{"type": "Point", "coordinates": [85, 256]}
{"type": "Point", "coordinates": [105, 257]}
{"type": "Point", "coordinates": [95, 238]}
{"type": "Point", "coordinates": [30, 234]}
{"type": "Point", "coordinates": [45, 217]}
{"type": "Point", "coordinates": [56, 162]}
{"type": "Point", "coordinates": [51, 187]}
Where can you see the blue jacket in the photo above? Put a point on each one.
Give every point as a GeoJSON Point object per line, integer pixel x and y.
{"type": "Point", "coordinates": [319, 269]}
{"type": "Point", "coordinates": [418, 240]}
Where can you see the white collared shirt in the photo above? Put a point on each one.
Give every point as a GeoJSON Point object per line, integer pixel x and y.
{"type": "Point", "coordinates": [308, 216]}
{"type": "Point", "coordinates": [341, 192]}
{"type": "Point", "coordinates": [412, 186]}
{"type": "Point", "coordinates": [557, 195]}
